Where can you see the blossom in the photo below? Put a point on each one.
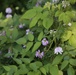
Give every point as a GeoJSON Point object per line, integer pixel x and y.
{"type": "Point", "coordinates": [21, 26]}
{"type": "Point", "coordinates": [69, 24]}
{"type": "Point", "coordinates": [28, 31]}
{"type": "Point", "coordinates": [65, 4]}
{"type": "Point", "coordinates": [37, 4]}
{"type": "Point", "coordinates": [58, 50]}
{"type": "Point", "coordinates": [8, 16]}
{"type": "Point", "coordinates": [45, 42]}
{"type": "Point", "coordinates": [38, 54]}
{"type": "Point", "coordinates": [8, 10]}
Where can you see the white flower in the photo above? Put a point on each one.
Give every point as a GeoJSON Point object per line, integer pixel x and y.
{"type": "Point", "coordinates": [8, 16]}
{"type": "Point", "coordinates": [58, 50]}
{"type": "Point", "coordinates": [69, 24]}
{"type": "Point", "coordinates": [28, 31]}
{"type": "Point", "coordinates": [8, 10]}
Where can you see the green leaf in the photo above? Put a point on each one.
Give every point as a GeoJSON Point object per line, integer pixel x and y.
{"type": "Point", "coordinates": [15, 33]}
{"type": "Point", "coordinates": [70, 71]}
{"type": "Point", "coordinates": [26, 60]}
{"type": "Point", "coordinates": [7, 68]}
{"type": "Point", "coordinates": [54, 70]}
{"type": "Point", "coordinates": [1, 15]}
{"type": "Point", "coordinates": [64, 64]}
{"type": "Point", "coordinates": [66, 35]}
{"type": "Point", "coordinates": [29, 45]}
{"type": "Point", "coordinates": [33, 66]}
{"type": "Point", "coordinates": [57, 60]}
{"type": "Point", "coordinates": [58, 13]}
{"type": "Point", "coordinates": [40, 36]}
{"type": "Point", "coordinates": [21, 40]}
{"type": "Point", "coordinates": [47, 22]}
{"type": "Point", "coordinates": [29, 14]}
{"type": "Point", "coordinates": [72, 62]}
{"type": "Point", "coordinates": [18, 61]}
{"type": "Point", "coordinates": [36, 46]}
{"type": "Point", "coordinates": [30, 37]}
{"type": "Point", "coordinates": [43, 70]}
{"type": "Point", "coordinates": [35, 20]}
{"type": "Point", "coordinates": [60, 73]}
{"type": "Point", "coordinates": [31, 73]}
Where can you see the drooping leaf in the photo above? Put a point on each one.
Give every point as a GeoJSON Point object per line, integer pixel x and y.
{"type": "Point", "coordinates": [43, 70]}
{"type": "Point", "coordinates": [30, 37]}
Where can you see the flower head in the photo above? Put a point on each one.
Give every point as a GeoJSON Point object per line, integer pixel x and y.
{"type": "Point", "coordinates": [8, 10]}
{"type": "Point", "coordinates": [8, 16]}
{"type": "Point", "coordinates": [38, 54]}
{"type": "Point", "coordinates": [45, 42]}
{"type": "Point", "coordinates": [21, 26]}
{"type": "Point", "coordinates": [28, 31]}
{"type": "Point", "coordinates": [69, 24]}
{"type": "Point", "coordinates": [58, 50]}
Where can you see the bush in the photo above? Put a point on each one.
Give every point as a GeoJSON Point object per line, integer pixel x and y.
{"type": "Point", "coordinates": [39, 42]}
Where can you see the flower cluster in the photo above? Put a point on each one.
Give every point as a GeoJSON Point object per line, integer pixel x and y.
{"type": "Point", "coordinates": [21, 26]}
{"type": "Point", "coordinates": [8, 11]}
{"type": "Point", "coordinates": [38, 54]}
{"type": "Point", "coordinates": [65, 4]}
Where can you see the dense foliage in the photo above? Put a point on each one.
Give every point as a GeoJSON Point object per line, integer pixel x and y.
{"type": "Point", "coordinates": [39, 42]}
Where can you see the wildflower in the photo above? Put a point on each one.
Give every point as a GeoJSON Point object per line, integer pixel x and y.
{"type": "Point", "coordinates": [8, 10]}
{"type": "Point", "coordinates": [38, 54]}
{"type": "Point", "coordinates": [37, 4]}
{"type": "Point", "coordinates": [45, 42]}
{"type": "Point", "coordinates": [21, 26]}
{"type": "Point", "coordinates": [69, 24]}
{"type": "Point", "coordinates": [28, 31]}
{"type": "Point", "coordinates": [58, 50]}
{"type": "Point", "coordinates": [65, 4]}
{"type": "Point", "coordinates": [8, 16]}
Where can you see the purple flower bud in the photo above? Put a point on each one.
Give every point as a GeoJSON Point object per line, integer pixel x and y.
{"type": "Point", "coordinates": [8, 10]}
{"type": "Point", "coordinates": [45, 42]}
{"type": "Point", "coordinates": [39, 55]}
{"type": "Point", "coordinates": [58, 50]}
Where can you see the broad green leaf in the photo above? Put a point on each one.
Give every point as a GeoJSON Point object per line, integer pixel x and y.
{"type": "Point", "coordinates": [70, 71]}
{"type": "Point", "coordinates": [18, 61]}
{"type": "Point", "coordinates": [29, 45]}
{"type": "Point", "coordinates": [15, 33]}
{"type": "Point", "coordinates": [36, 46]}
{"type": "Point", "coordinates": [54, 70]}
{"type": "Point", "coordinates": [72, 62]}
{"type": "Point", "coordinates": [43, 70]}
{"type": "Point", "coordinates": [40, 36]}
{"type": "Point", "coordinates": [47, 22]}
{"type": "Point", "coordinates": [38, 63]}
{"type": "Point", "coordinates": [7, 68]}
{"type": "Point", "coordinates": [26, 60]}
{"type": "Point", "coordinates": [72, 41]}
{"type": "Point", "coordinates": [61, 16]}
{"type": "Point", "coordinates": [72, 1]}
{"type": "Point", "coordinates": [21, 40]}
{"type": "Point", "coordinates": [57, 60]}
{"type": "Point", "coordinates": [60, 73]}
{"type": "Point", "coordinates": [66, 35]}
{"type": "Point", "coordinates": [31, 73]}
{"type": "Point", "coordinates": [64, 64]}
{"type": "Point", "coordinates": [58, 13]}
{"type": "Point", "coordinates": [35, 20]}
{"type": "Point", "coordinates": [30, 37]}
{"type": "Point", "coordinates": [33, 66]}
{"type": "Point", "coordinates": [29, 14]}
{"type": "Point", "coordinates": [45, 14]}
